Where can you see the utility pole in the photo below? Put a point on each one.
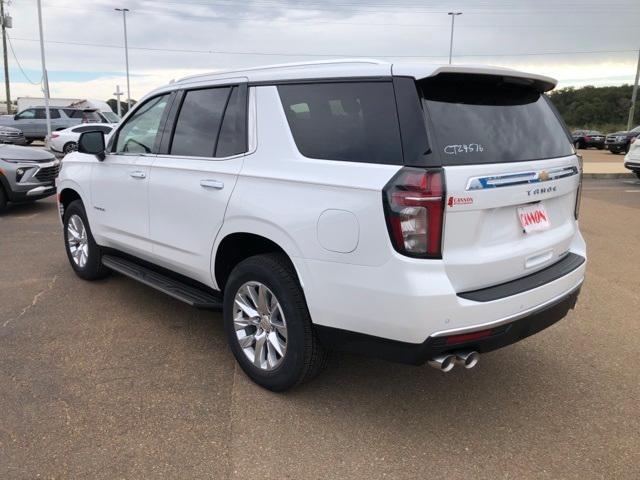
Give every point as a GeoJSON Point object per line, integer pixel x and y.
{"type": "Point", "coordinates": [453, 18]}
{"type": "Point", "coordinates": [634, 95]}
{"type": "Point", "coordinates": [4, 51]}
{"type": "Point", "coordinates": [126, 53]}
{"type": "Point", "coordinates": [118, 94]}
{"type": "Point", "coordinates": [45, 77]}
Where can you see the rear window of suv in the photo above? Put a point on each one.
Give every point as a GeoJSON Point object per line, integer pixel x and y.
{"type": "Point", "coordinates": [347, 121]}
{"type": "Point", "coordinates": [491, 119]}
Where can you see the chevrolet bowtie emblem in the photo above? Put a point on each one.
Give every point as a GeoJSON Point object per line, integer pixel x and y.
{"type": "Point", "coordinates": [543, 176]}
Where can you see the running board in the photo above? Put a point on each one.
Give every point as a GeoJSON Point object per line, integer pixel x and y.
{"type": "Point", "coordinates": [178, 290]}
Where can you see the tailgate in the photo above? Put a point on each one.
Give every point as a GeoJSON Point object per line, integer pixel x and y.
{"type": "Point", "coordinates": [486, 242]}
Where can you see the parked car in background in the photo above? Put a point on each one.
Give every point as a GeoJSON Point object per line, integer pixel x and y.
{"type": "Point", "coordinates": [26, 174]}
{"type": "Point", "coordinates": [620, 141]}
{"type": "Point", "coordinates": [12, 135]}
{"type": "Point", "coordinates": [33, 121]}
{"type": "Point", "coordinates": [66, 141]}
{"type": "Point", "coordinates": [587, 139]}
{"type": "Point", "coordinates": [632, 158]}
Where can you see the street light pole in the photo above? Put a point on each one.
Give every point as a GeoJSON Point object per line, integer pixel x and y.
{"type": "Point", "coordinates": [45, 77]}
{"type": "Point", "coordinates": [453, 18]}
{"type": "Point", "coordinates": [634, 95]}
{"type": "Point", "coordinates": [126, 53]}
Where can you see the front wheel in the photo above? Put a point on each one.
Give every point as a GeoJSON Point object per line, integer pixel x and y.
{"type": "Point", "coordinates": [82, 250]}
{"type": "Point", "coordinates": [3, 199]}
{"type": "Point", "coordinates": [268, 324]}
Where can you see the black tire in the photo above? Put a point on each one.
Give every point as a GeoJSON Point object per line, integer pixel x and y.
{"type": "Point", "coordinates": [578, 144]}
{"type": "Point", "coordinates": [28, 142]}
{"type": "Point", "coordinates": [304, 356]}
{"type": "Point", "coordinates": [615, 152]}
{"type": "Point", "coordinates": [637, 175]}
{"type": "Point", "coordinates": [600, 148]}
{"type": "Point", "coordinates": [3, 199]}
{"type": "Point", "coordinates": [69, 147]}
{"type": "Point", "coordinates": [93, 268]}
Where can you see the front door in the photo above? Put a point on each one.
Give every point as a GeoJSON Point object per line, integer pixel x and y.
{"type": "Point", "coordinates": [120, 183]}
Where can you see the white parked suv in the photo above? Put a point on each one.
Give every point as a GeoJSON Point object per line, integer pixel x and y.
{"type": "Point", "coordinates": [407, 211]}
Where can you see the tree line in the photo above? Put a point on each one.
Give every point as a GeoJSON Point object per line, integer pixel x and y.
{"type": "Point", "coordinates": [595, 108]}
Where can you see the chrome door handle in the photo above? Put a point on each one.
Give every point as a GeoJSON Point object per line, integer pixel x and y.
{"type": "Point", "coordinates": [137, 174]}
{"type": "Point", "coordinates": [217, 184]}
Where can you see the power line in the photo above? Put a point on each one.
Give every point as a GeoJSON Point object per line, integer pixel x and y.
{"type": "Point", "coordinates": [20, 66]}
{"type": "Point", "coordinates": [303, 54]}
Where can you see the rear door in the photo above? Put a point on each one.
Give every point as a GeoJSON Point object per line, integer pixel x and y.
{"type": "Point", "coordinates": [192, 179]}
{"type": "Point", "coordinates": [511, 177]}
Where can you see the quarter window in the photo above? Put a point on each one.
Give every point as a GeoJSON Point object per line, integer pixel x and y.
{"type": "Point", "coordinates": [41, 113]}
{"type": "Point", "coordinates": [348, 121]}
{"type": "Point", "coordinates": [138, 134]}
{"type": "Point", "coordinates": [232, 139]}
{"type": "Point", "coordinates": [199, 122]}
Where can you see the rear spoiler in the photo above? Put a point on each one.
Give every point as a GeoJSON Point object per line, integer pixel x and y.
{"type": "Point", "coordinates": [540, 83]}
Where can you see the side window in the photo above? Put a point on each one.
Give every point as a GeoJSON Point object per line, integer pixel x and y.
{"type": "Point", "coordinates": [105, 130]}
{"type": "Point", "coordinates": [348, 121]}
{"type": "Point", "coordinates": [138, 134]}
{"type": "Point", "coordinates": [27, 114]}
{"type": "Point", "coordinates": [41, 113]}
{"type": "Point", "coordinates": [233, 134]}
{"type": "Point", "coordinates": [198, 123]}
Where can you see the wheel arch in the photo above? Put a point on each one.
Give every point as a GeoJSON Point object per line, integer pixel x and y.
{"type": "Point", "coordinates": [234, 247]}
{"type": "Point", "coordinates": [67, 195]}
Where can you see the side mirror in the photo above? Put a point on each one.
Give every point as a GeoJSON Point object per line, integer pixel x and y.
{"type": "Point", "coordinates": [92, 143]}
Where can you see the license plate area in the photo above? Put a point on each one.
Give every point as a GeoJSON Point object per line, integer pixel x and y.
{"type": "Point", "coordinates": [533, 218]}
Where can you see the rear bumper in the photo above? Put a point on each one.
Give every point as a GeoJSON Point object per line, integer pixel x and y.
{"type": "Point", "coordinates": [495, 335]}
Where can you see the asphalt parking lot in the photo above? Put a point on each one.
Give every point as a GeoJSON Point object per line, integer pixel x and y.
{"type": "Point", "coordinates": [112, 379]}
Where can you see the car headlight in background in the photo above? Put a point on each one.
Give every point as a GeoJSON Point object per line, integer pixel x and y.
{"type": "Point", "coordinates": [22, 172]}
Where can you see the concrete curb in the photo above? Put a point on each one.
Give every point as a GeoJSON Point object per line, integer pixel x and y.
{"type": "Point", "coordinates": [608, 175]}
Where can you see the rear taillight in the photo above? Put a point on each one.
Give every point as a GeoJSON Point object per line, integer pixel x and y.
{"type": "Point", "coordinates": [55, 135]}
{"type": "Point", "coordinates": [414, 205]}
{"type": "Point", "coordinates": [576, 210]}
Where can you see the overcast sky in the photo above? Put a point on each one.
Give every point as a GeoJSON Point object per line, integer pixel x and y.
{"type": "Point", "coordinates": [578, 42]}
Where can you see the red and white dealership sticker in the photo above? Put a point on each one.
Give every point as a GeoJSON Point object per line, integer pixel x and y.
{"type": "Point", "coordinates": [534, 218]}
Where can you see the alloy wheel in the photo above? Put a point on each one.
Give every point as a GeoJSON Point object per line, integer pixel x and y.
{"type": "Point", "coordinates": [260, 325]}
{"type": "Point", "coordinates": [77, 240]}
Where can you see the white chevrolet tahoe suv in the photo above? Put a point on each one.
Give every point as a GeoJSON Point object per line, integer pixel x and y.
{"type": "Point", "coordinates": [412, 212]}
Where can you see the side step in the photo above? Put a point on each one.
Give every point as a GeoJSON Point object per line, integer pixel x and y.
{"type": "Point", "coordinates": [188, 294]}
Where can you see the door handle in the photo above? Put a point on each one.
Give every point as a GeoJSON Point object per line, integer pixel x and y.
{"type": "Point", "coordinates": [137, 174]}
{"type": "Point", "coordinates": [217, 184]}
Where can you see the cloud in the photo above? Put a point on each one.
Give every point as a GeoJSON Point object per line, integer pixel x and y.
{"type": "Point", "coordinates": [393, 30]}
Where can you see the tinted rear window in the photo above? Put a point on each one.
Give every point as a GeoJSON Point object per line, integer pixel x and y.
{"type": "Point", "coordinates": [487, 119]}
{"type": "Point", "coordinates": [350, 121]}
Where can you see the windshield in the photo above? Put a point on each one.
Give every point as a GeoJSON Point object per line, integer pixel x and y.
{"type": "Point", "coordinates": [111, 117]}
{"type": "Point", "coordinates": [491, 119]}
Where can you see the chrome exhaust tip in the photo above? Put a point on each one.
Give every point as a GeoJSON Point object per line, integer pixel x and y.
{"type": "Point", "coordinates": [467, 359]}
{"type": "Point", "coordinates": [444, 363]}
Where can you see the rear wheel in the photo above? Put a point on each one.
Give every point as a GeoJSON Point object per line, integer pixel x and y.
{"type": "Point", "coordinates": [69, 147]}
{"type": "Point", "coordinates": [268, 324]}
{"type": "Point", "coordinates": [578, 144]}
{"type": "Point", "coordinates": [83, 252]}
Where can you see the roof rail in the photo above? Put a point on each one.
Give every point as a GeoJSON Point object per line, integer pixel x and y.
{"type": "Point", "coordinates": [284, 66]}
